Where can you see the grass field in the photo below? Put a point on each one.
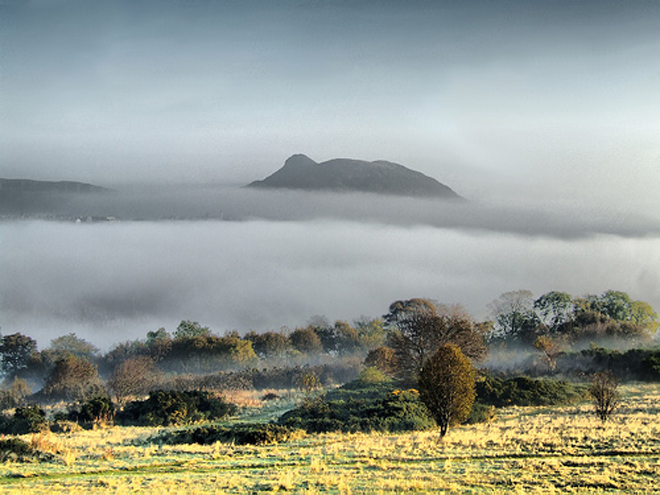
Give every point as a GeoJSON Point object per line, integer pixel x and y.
{"type": "Point", "coordinates": [525, 450]}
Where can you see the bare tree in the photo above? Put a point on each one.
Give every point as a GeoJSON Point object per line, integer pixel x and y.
{"type": "Point", "coordinates": [419, 328]}
{"type": "Point", "coordinates": [133, 377]}
{"type": "Point", "coordinates": [551, 348]}
{"type": "Point", "coordinates": [604, 394]}
{"type": "Point", "coordinates": [73, 377]}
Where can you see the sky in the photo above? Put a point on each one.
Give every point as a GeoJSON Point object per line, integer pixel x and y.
{"type": "Point", "coordinates": [511, 98]}
{"type": "Point", "coordinates": [545, 115]}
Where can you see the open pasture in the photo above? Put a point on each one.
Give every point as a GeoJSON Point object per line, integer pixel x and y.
{"type": "Point", "coordinates": [524, 450]}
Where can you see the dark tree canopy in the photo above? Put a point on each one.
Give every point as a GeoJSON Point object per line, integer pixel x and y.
{"type": "Point", "coordinates": [554, 309]}
{"type": "Point", "coordinates": [190, 329]}
{"type": "Point", "coordinates": [447, 386]}
{"type": "Point", "coordinates": [515, 318]}
{"type": "Point", "coordinates": [72, 377]}
{"type": "Point", "coordinates": [306, 341]}
{"type": "Point", "coordinates": [16, 353]}
{"type": "Point", "coordinates": [418, 328]}
{"type": "Point", "coordinates": [269, 344]}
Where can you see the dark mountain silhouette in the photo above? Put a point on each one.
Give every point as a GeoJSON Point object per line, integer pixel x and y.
{"type": "Point", "coordinates": [27, 197]}
{"type": "Point", "coordinates": [39, 186]}
{"type": "Point", "coordinates": [342, 174]}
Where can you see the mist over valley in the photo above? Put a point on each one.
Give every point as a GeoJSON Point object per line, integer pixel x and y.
{"type": "Point", "coordinates": [293, 256]}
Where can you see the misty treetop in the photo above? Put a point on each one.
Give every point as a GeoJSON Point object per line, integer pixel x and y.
{"type": "Point", "coordinates": [520, 318]}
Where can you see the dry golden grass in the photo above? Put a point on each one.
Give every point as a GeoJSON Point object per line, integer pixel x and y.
{"type": "Point", "coordinates": [525, 450]}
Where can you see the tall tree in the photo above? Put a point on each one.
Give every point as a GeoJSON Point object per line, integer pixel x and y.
{"type": "Point", "coordinates": [616, 304]}
{"type": "Point", "coordinates": [447, 386]}
{"type": "Point", "coordinates": [554, 309]}
{"type": "Point", "coordinates": [71, 344]}
{"type": "Point", "coordinates": [418, 327]}
{"type": "Point", "coordinates": [644, 315]}
{"type": "Point", "coordinates": [269, 344]}
{"type": "Point", "coordinates": [190, 329]}
{"type": "Point", "coordinates": [73, 377]}
{"type": "Point", "coordinates": [515, 318]}
{"type": "Point", "coordinates": [159, 343]}
{"type": "Point", "coordinates": [16, 353]}
{"type": "Point", "coordinates": [306, 341]}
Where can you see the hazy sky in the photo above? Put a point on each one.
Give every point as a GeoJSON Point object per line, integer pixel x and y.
{"type": "Point", "coordinates": [545, 114]}
{"type": "Point", "coordinates": [507, 98]}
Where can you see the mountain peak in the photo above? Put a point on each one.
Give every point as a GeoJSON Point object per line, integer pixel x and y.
{"type": "Point", "coordinates": [345, 174]}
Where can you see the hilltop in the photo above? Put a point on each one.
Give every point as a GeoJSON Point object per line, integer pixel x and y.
{"type": "Point", "coordinates": [343, 174]}
{"type": "Point", "coordinates": [38, 186]}
{"type": "Point", "coordinates": [26, 196]}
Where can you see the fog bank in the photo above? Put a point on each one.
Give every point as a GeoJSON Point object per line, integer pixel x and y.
{"type": "Point", "coordinates": [542, 216]}
{"type": "Point", "coordinates": [111, 282]}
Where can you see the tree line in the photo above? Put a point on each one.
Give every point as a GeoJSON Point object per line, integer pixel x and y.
{"type": "Point", "coordinates": [400, 343]}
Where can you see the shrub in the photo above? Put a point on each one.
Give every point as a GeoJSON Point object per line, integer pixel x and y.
{"type": "Point", "coordinates": [165, 408]}
{"type": "Point", "coordinates": [16, 450]}
{"type": "Point", "coordinates": [525, 391]}
{"type": "Point", "coordinates": [481, 413]}
{"type": "Point", "coordinates": [95, 410]}
{"type": "Point", "coordinates": [650, 366]}
{"type": "Point", "coordinates": [603, 391]}
{"type": "Point", "coordinates": [239, 434]}
{"type": "Point", "coordinates": [371, 375]}
{"type": "Point", "coordinates": [356, 407]}
{"type": "Point", "coordinates": [30, 419]}
{"type": "Point", "coordinates": [309, 382]}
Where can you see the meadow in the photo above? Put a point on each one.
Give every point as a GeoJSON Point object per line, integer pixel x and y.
{"type": "Point", "coordinates": [523, 450]}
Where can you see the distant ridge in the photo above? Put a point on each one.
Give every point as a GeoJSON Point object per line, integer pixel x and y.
{"type": "Point", "coordinates": [38, 186]}
{"type": "Point", "coordinates": [26, 197]}
{"type": "Point", "coordinates": [343, 174]}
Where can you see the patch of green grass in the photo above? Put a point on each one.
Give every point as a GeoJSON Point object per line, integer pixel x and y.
{"type": "Point", "coordinates": [549, 449]}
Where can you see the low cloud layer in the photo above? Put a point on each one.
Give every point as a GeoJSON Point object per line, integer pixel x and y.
{"type": "Point", "coordinates": [112, 282]}
{"type": "Point", "coordinates": [564, 219]}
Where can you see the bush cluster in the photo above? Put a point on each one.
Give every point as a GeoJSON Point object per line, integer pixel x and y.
{"type": "Point", "coordinates": [96, 409]}
{"type": "Point", "coordinates": [634, 364]}
{"type": "Point", "coordinates": [17, 450]}
{"type": "Point", "coordinates": [238, 434]}
{"type": "Point", "coordinates": [168, 408]}
{"type": "Point", "coordinates": [29, 419]}
{"type": "Point", "coordinates": [525, 391]}
{"type": "Point", "coordinates": [361, 409]}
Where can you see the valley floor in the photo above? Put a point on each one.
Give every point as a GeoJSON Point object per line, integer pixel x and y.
{"type": "Point", "coordinates": [524, 450]}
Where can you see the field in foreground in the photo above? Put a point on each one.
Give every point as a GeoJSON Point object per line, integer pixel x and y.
{"type": "Point", "coordinates": [535, 449]}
